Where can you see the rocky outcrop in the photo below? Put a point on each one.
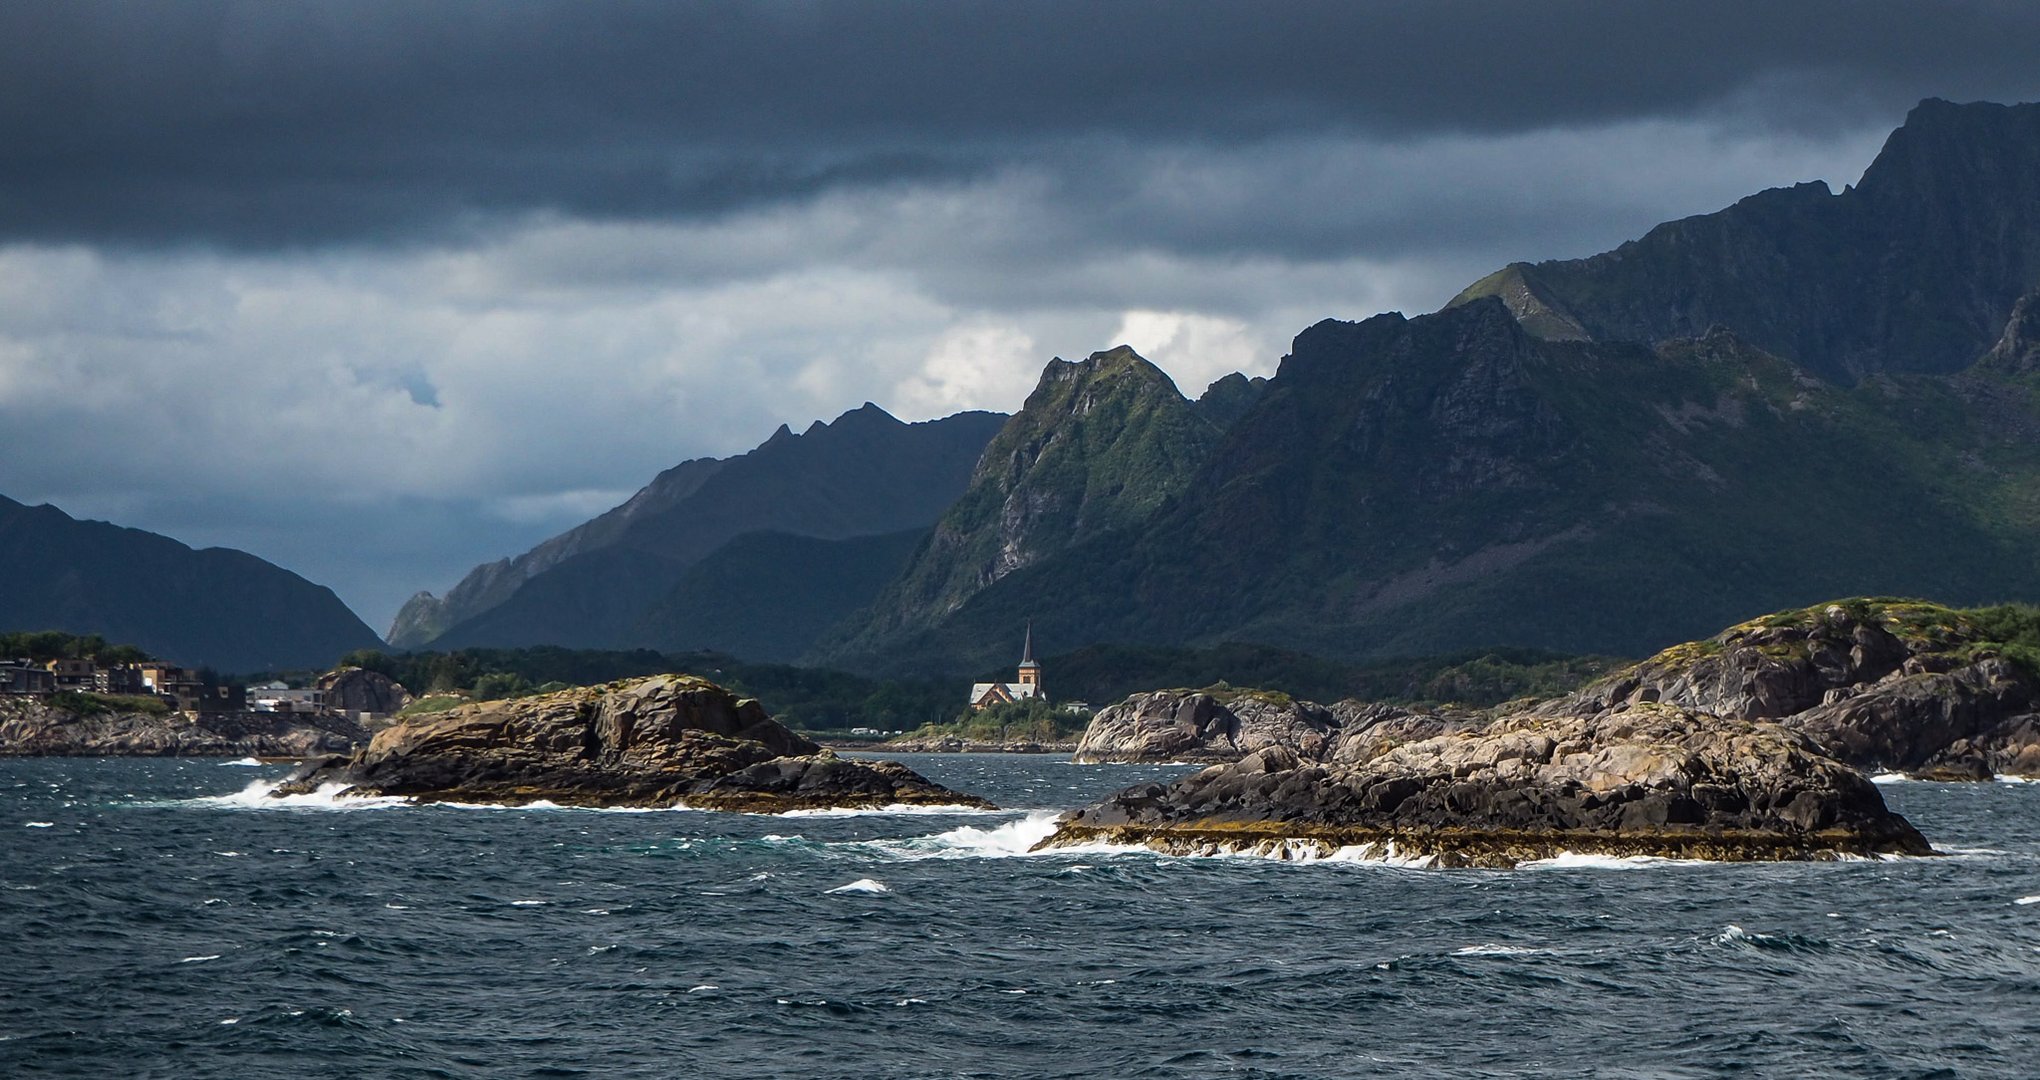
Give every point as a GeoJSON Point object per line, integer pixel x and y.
{"type": "Point", "coordinates": [662, 741]}
{"type": "Point", "coordinates": [1222, 724]}
{"type": "Point", "coordinates": [1650, 780]}
{"type": "Point", "coordinates": [30, 727]}
{"type": "Point", "coordinates": [1879, 684]}
{"type": "Point", "coordinates": [358, 690]}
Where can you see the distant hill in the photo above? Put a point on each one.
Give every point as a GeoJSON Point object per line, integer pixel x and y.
{"type": "Point", "coordinates": [213, 607]}
{"type": "Point", "coordinates": [864, 475]}
{"type": "Point", "coordinates": [1795, 398]}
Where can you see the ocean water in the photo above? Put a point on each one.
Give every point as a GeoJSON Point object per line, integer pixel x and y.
{"type": "Point", "coordinates": [158, 918]}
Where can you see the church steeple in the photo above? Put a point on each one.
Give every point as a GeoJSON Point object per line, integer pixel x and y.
{"type": "Point", "coordinates": [1030, 671]}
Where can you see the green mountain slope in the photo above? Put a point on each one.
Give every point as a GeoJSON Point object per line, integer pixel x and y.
{"type": "Point", "coordinates": [1101, 445]}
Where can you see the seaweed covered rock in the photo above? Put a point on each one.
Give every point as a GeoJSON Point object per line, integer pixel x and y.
{"type": "Point", "coordinates": [661, 741]}
{"type": "Point", "coordinates": [1650, 779]}
{"type": "Point", "coordinates": [1879, 684]}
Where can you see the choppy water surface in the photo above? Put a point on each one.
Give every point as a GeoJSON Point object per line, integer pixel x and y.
{"type": "Point", "coordinates": [154, 923]}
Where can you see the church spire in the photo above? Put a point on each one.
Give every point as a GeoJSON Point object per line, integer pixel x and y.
{"type": "Point", "coordinates": [1027, 650]}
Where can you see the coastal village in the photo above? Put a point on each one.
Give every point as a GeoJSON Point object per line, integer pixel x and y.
{"type": "Point", "coordinates": [178, 688]}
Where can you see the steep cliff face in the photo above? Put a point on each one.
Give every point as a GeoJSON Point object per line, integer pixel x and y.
{"type": "Point", "coordinates": [213, 607]}
{"type": "Point", "coordinates": [1100, 446]}
{"type": "Point", "coordinates": [865, 474]}
{"type": "Point", "coordinates": [1915, 269]}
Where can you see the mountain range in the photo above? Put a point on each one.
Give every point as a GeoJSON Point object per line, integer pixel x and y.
{"type": "Point", "coordinates": [1801, 396]}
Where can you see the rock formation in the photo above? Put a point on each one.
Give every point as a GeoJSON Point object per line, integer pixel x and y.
{"type": "Point", "coordinates": [1879, 684]}
{"type": "Point", "coordinates": [662, 741]}
{"type": "Point", "coordinates": [357, 690]}
{"type": "Point", "coordinates": [1651, 780]}
{"type": "Point", "coordinates": [31, 727]}
{"type": "Point", "coordinates": [1220, 724]}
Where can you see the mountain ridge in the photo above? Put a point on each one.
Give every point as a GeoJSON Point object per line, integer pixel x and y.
{"type": "Point", "coordinates": [203, 607]}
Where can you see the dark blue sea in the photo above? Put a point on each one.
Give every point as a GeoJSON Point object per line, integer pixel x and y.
{"type": "Point", "coordinates": [158, 919]}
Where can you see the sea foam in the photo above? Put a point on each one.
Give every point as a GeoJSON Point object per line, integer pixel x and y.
{"type": "Point", "coordinates": [862, 885]}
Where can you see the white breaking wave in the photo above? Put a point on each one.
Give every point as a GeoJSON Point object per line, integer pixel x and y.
{"type": "Point", "coordinates": [261, 795]}
{"type": "Point", "coordinates": [248, 761]}
{"type": "Point", "coordinates": [862, 885]}
{"type": "Point", "coordinates": [2013, 778]}
{"type": "Point", "coordinates": [38, 824]}
{"type": "Point", "coordinates": [1012, 839]}
{"type": "Point", "coordinates": [1492, 949]}
{"type": "Point", "coordinates": [2027, 900]}
{"type": "Point", "coordinates": [1574, 860]}
{"type": "Point", "coordinates": [936, 810]}
{"type": "Point", "coordinates": [1892, 778]}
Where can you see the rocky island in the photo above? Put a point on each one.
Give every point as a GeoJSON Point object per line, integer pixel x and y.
{"type": "Point", "coordinates": [1744, 746]}
{"type": "Point", "coordinates": [1648, 780]}
{"type": "Point", "coordinates": [663, 741]}
{"type": "Point", "coordinates": [1881, 684]}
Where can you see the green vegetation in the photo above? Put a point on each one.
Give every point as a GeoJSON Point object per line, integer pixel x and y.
{"type": "Point", "coordinates": [433, 703]}
{"type": "Point", "coordinates": [1018, 721]}
{"type": "Point", "coordinates": [43, 646]}
{"type": "Point", "coordinates": [803, 698]}
{"type": "Point", "coordinates": [1103, 674]}
{"type": "Point", "coordinates": [2008, 630]}
{"type": "Point", "coordinates": [2015, 630]}
{"type": "Point", "coordinates": [78, 703]}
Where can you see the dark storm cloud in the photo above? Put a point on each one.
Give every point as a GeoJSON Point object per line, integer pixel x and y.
{"type": "Point", "coordinates": [262, 124]}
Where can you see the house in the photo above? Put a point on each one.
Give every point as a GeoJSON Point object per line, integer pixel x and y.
{"type": "Point", "coordinates": [275, 697]}
{"type": "Point", "coordinates": [72, 674]}
{"type": "Point", "coordinates": [984, 695]}
{"type": "Point", "coordinates": [25, 677]}
{"type": "Point", "coordinates": [183, 689]}
{"type": "Point", "coordinates": [120, 679]}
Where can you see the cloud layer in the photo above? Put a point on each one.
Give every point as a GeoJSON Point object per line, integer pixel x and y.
{"type": "Point", "coordinates": [380, 290]}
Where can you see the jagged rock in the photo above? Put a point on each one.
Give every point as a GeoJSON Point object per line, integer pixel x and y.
{"type": "Point", "coordinates": [1204, 725]}
{"type": "Point", "coordinates": [1651, 780]}
{"type": "Point", "coordinates": [30, 727]}
{"type": "Point", "coordinates": [1226, 725]}
{"type": "Point", "coordinates": [661, 741]}
{"type": "Point", "coordinates": [356, 690]}
{"type": "Point", "coordinates": [1879, 684]}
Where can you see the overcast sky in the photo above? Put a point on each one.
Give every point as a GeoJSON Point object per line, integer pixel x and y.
{"type": "Point", "coordinates": [380, 290]}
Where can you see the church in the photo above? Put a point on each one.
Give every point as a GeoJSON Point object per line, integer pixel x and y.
{"type": "Point", "coordinates": [987, 694]}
